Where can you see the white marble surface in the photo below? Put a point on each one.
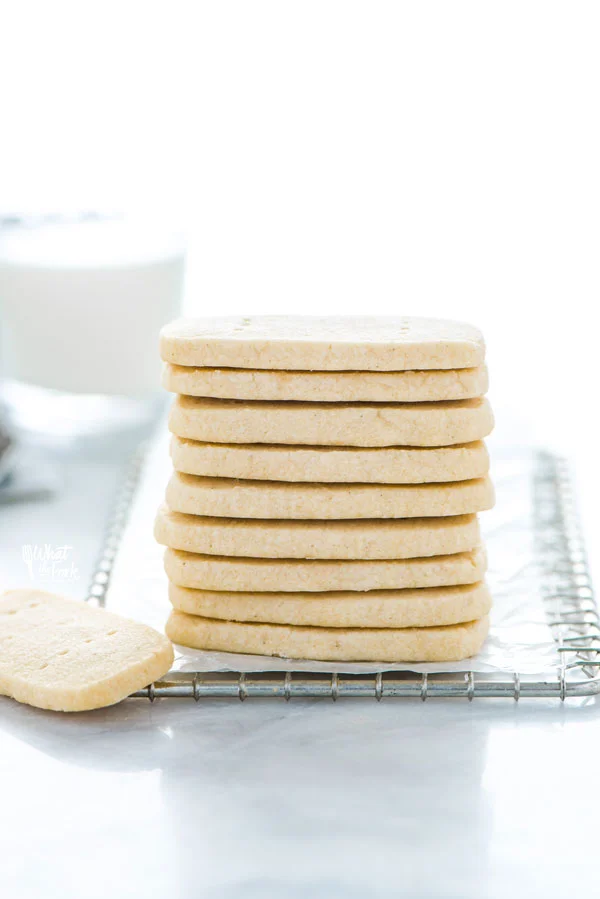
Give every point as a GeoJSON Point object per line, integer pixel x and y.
{"type": "Point", "coordinates": [266, 799]}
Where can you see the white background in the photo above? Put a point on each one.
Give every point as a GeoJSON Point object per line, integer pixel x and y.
{"type": "Point", "coordinates": [341, 157]}
{"type": "Point", "coordinates": [330, 156]}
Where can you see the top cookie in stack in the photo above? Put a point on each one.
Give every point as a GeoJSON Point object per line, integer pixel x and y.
{"type": "Point", "coordinates": [318, 457]}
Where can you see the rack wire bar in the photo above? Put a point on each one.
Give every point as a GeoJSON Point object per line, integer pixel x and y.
{"type": "Point", "coordinates": [294, 685]}
{"type": "Point", "coordinates": [566, 593]}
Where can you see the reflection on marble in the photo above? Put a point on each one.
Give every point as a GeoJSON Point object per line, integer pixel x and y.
{"type": "Point", "coordinates": [309, 798]}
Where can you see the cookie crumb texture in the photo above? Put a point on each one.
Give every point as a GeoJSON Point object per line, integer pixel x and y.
{"type": "Point", "coordinates": [332, 424]}
{"type": "Point", "coordinates": [65, 655]}
{"type": "Point", "coordinates": [331, 464]}
{"type": "Point", "coordinates": [426, 607]}
{"type": "Point", "coordinates": [203, 572]}
{"type": "Point", "coordinates": [229, 498]}
{"type": "Point", "coordinates": [419, 644]}
{"type": "Point", "coordinates": [298, 539]}
{"type": "Point", "coordinates": [326, 386]}
{"type": "Point", "coordinates": [312, 343]}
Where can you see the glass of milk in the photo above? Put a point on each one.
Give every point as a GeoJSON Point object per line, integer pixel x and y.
{"type": "Point", "coordinates": [82, 302]}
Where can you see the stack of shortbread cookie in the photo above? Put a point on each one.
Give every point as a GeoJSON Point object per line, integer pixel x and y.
{"type": "Point", "coordinates": [328, 475]}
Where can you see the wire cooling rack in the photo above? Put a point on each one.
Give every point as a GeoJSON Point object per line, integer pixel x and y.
{"type": "Point", "coordinates": [567, 595]}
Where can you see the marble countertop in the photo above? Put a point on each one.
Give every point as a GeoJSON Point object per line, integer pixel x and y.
{"type": "Point", "coordinates": [310, 798]}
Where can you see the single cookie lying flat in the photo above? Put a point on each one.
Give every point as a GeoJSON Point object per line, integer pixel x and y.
{"type": "Point", "coordinates": [427, 644]}
{"type": "Point", "coordinates": [310, 343]}
{"type": "Point", "coordinates": [203, 572]}
{"type": "Point", "coordinates": [60, 654]}
{"type": "Point", "coordinates": [331, 424]}
{"type": "Point", "coordinates": [331, 464]}
{"type": "Point", "coordinates": [230, 498]}
{"type": "Point", "coordinates": [327, 387]}
{"type": "Point", "coordinates": [286, 539]}
{"type": "Point", "coordinates": [429, 607]}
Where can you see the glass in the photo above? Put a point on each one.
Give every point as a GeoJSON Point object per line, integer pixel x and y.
{"type": "Point", "coordinates": [82, 301]}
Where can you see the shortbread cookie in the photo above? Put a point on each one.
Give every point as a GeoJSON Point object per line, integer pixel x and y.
{"type": "Point", "coordinates": [204, 572]}
{"type": "Point", "coordinates": [60, 654]}
{"type": "Point", "coordinates": [309, 343]}
{"type": "Point", "coordinates": [331, 424]}
{"type": "Point", "coordinates": [427, 644]}
{"type": "Point", "coordinates": [327, 387]}
{"type": "Point", "coordinates": [285, 539]}
{"type": "Point", "coordinates": [331, 464]}
{"type": "Point", "coordinates": [230, 498]}
{"type": "Point", "coordinates": [429, 607]}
